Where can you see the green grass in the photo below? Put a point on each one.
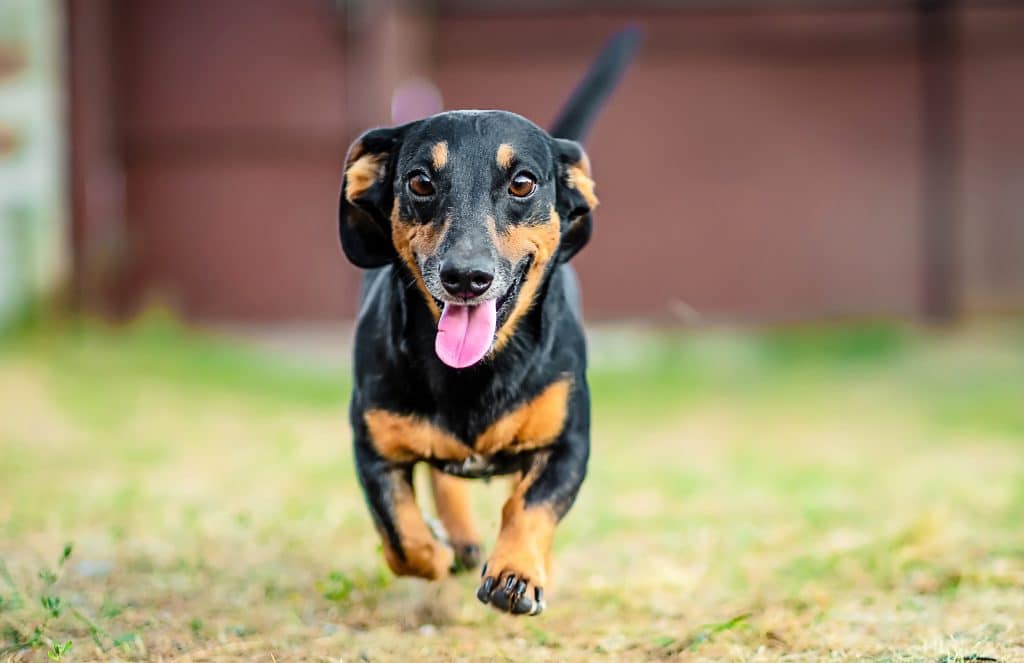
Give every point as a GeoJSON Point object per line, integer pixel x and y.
{"type": "Point", "coordinates": [842, 492]}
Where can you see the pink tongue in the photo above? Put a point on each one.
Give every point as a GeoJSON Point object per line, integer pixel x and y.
{"type": "Point", "coordinates": [465, 333]}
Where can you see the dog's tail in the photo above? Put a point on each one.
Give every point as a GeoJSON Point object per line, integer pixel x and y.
{"type": "Point", "coordinates": [579, 111]}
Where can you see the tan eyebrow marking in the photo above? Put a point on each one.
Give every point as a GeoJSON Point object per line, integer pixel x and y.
{"type": "Point", "coordinates": [440, 154]}
{"type": "Point", "coordinates": [504, 156]}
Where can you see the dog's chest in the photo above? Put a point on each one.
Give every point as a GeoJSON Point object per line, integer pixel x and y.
{"type": "Point", "coordinates": [530, 425]}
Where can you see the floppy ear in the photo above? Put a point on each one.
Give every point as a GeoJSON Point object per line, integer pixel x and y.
{"type": "Point", "coordinates": [364, 213]}
{"type": "Point", "coordinates": [575, 197]}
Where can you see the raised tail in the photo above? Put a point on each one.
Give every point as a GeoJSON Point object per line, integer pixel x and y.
{"type": "Point", "coordinates": [580, 110]}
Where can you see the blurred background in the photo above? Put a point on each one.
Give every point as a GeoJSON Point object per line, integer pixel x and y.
{"type": "Point", "coordinates": [804, 297]}
{"type": "Point", "coordinates": [762, 161]}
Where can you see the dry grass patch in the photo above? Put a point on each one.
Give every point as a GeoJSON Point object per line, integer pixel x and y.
{"type": "Point", "coordinates": [843, 494]}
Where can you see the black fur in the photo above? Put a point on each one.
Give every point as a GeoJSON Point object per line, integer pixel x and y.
{"type": "Point", "coordinates": [395, 365]}
{"type": "Point", "coordinates": [580, 111]}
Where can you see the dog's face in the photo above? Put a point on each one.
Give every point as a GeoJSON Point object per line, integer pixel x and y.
{"type": "Point", "coordinates": [477, 206]}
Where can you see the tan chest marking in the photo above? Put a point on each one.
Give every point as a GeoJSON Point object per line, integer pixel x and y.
{"type": "Point", "coordinates": [529, 426]}
{"type": "Point", "coordinates": [534, 424]}
{"type": "Point", "coordinates": [404, 438]}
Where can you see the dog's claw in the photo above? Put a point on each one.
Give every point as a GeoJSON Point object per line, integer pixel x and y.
{"type": "Point", "coordinates": [484, 593]}
{"type": "Point", "coordinates": [538, 601]}
{"type": "Point", "coordinates": [502, 596]}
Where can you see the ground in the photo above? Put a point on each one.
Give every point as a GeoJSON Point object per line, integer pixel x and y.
{"type": "Point", "coordinates": [801, 494]}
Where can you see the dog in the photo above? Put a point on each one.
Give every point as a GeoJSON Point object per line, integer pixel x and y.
{"type": "Point", "coordinates": [469, 347]}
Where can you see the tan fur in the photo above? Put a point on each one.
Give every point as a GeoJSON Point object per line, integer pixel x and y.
{"type": "Point", "coordinates": [439, 154]}
{"type": "Point", "coordinates": [515, 244]}
{"type": "Point", "coordinates": [404, 438]}
{"type": "Point", "coordinates": [534, 424]}
{"type": "Point", "coordinates": [531, 425]}
{"type": "Point", "coordinates": [525, 540]}
{"type": "Point", "coordinates": [452, 500]}
{"type": "Point", "coordinates": [411, 239]}
{"type": "Point", "coordinates": [523, 547]}
{"type": "Point", "coordinates": [363, 171]}
{"type": "Point", "coordinates": [505, 155]}
{"type": "Point", "coordinates": [424, 556]}
{"type": "Point", "coordinates": [579, 178]}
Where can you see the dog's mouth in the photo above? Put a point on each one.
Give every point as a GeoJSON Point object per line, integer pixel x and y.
{"type": "Point", "coordinates": [508, 300]}
{"type": "Point", "coordinates": [466, 330]}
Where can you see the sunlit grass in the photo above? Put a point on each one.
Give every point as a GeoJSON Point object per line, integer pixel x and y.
{"type": "Point", "coordinates": [808, 493]}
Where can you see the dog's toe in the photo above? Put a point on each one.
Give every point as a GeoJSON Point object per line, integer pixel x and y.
{"type": "Point", "coordinates": [529, 606]}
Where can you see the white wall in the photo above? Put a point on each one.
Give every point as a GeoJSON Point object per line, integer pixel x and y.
{"type": "Point", "coordinates": [34, 249]}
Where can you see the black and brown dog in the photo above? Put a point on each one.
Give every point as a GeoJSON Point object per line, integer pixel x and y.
{"type": "Point", "coordinates": [469, 348]}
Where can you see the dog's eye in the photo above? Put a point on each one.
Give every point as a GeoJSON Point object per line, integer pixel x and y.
{"type": "Point", "coordinates": [420, 184]}
{"type": "Point", "coordinates": [522, 185]}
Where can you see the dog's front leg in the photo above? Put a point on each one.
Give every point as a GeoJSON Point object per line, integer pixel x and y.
{"type": "Point", "coordinates": [410, 548]}
{"type": "Point", "coordinates": [518, 570]}
{"type": "Point", "coordinates": [452, 499]}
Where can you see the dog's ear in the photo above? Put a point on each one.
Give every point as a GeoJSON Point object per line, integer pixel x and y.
{"type": "Point", "coordinates": [575, 196]}
{"type": "Point", "coordinates": [364, 213]}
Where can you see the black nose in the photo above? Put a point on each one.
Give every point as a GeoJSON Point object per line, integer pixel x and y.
{"type": "Point", "coordinates": [465, 281]}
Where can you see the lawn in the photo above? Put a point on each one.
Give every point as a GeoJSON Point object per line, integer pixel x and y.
{"type": "Point", "coordinates": [846, 493]}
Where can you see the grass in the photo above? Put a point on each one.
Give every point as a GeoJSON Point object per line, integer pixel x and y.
{"type": "Point", "coordinates": [805, 494]}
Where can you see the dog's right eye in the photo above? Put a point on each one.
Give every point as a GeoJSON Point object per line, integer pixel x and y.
{"type": "Point", "coordinates": [420, 184]}
{"type": "Point", "coordinates": [523, 185]}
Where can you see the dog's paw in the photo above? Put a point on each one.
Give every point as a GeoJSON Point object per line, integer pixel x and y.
{"type": "Point", "coordinates": [467, 556]}
{"type": "Point", "coordinates": [508, 589]}
{"type": "Point", "coordinates": [422, 558]}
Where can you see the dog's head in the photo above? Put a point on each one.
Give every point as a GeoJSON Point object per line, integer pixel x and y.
{"type": "Point", "coordinates": [477, 206]}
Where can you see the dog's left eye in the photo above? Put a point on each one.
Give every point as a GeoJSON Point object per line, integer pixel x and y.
{"type": "Point", "coordinates": [421, 185]}
{"type": "Point", "coordinates": [522, 185]}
